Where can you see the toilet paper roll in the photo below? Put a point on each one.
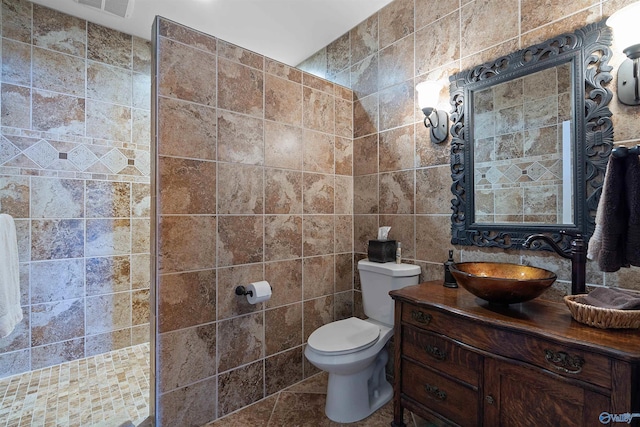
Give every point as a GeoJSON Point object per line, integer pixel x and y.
{"type": "Point", "coordinates": [259, 292]}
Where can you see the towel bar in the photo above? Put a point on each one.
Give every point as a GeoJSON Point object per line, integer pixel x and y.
{"type": "Point", "coordinates": [624, 151]}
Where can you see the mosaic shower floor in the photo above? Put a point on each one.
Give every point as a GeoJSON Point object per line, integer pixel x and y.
{"type": "Point", "coordinates": [105, 390]}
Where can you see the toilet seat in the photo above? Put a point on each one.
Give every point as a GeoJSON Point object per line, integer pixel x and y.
{"type": "Point", "coordinates": [344, 337]}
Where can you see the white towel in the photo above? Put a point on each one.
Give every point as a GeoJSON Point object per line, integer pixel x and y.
{"type": "Point", "coordinates": [10, 311]}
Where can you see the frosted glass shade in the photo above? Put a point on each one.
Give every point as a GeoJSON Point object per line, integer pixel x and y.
{"type": "Point", "coordinates": [625, 28]}
{"type": "Point", "coordinates": [428, 94]}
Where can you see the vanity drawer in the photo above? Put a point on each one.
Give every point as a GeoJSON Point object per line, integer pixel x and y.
{"type": "Point", "coordinates": [425, 318]}
{"type": "Point", "coordinates": [564, 360]}
{"type": "Point", "coordinates": [449, 398]}
{"type": "Point", "coordinates": [441, 354]}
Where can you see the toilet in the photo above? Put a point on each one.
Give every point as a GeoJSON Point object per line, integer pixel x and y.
{"type": "Point", "coordinates": [353, 350]}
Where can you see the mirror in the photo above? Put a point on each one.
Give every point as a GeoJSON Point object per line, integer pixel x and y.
{"type": "Point", "coordinates": [531, 136]}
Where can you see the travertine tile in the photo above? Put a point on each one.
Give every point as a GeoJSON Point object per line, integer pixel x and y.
{"type": "Point", "coordinates": [57, 113]}
{"type": "Point", "coordinates": [107, 313]}
{"type": "Point", "coordinates": [318, 152]}
{"type": "Point", "coordinates": [185, 118]}
{"type": "Point", "coordinates": [57, 321]}
{"type": "Point", "coordinates": [16, 63]}
{"type": "Point", "coordinates": [396, 63]}
{"type": "Point", "coordinates": [187, 355]}
{"type": "Point", "coordinates": [178, 60]}
{"type": "Point", "coordinates": [318, 276]}
{"type": "Point", "coordinates": [106, 275]}
{"type": "Point", "coordinates": [285, 278]}
{"type": "Point", "coordinates": [283, 370]}
{"type": "Point", "coordinates": [318, 235]}
{"type": "Point", "coordinates": [240, 240]}
{"type": "Point", "coordinates": [317, 312]}
{"type": "Point", "coordinates": [187, 243]}
{"type": "Point", "coordinates": [16, 20]}
{"type": "Point", "coordinates": [109, 46]}
{"type": "Point", "coordinates": [283, 330]}
{"type": "Point", "coordinates": [318, 190]}
{"type": "Point", "coordinates": [240, 341]}
{"type": "Point", "coordinates": [58, 198]}
{"type": "Point", "coordinates": [395, 21]}
{"type": "Point", "coordinates": [108, 237]}
{"type": "Point", "coordinates": [283, 192]}
{"type": "Point", "coordinates": [55, 239]}
{"type": "Point", "coordinates": [478, 15]}
{"type": "Point", "coordinates": [283, 237]}
{"type": "Point", "coordinates": [433, 190]}
{"type": "Point", "coordinates": [338, 55]}
{"type": "Point", "coordinates": [69, 276]}
{"type": "Point", "coordinates": [364, 76]}
{"type": "Point", "coordinates": [240, 387]}
{"type": "Point", "coordinates": [318, 110]}
{"type": "Point", "coordinates": [240, 88]}
{"type": "Point", "coordinates": [240, 139]}
{"type": "Point", "coordinates": [240, 189]}
{"type": "Point", "coordinates": [186, 299]}
{"type": "Point", "coordinates": [187, 186]}
{"type": "Point", "coordinates": [193, 405]}
{"type": "Point", "coordinates": [15, 105]}
{"type": "Point", "coordinates": [283, 146]}
{"type": "Point", "coordinates": [283, 101]}
{"type": "Point", "coordinates": [364, 39]}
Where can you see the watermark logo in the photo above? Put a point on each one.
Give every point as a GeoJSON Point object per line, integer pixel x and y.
{"type": "Point", "coordinates": [606, 418]}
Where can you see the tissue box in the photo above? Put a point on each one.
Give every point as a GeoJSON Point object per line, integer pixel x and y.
{"type": "Point", "coordinates": [382, 250]}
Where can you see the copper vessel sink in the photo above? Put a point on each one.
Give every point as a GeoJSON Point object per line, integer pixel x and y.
{"type": "Point", "coordinates": [502, 283]}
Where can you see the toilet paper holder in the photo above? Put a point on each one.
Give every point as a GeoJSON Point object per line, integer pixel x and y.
{"type": "Point", "coordinates": [241, 290]}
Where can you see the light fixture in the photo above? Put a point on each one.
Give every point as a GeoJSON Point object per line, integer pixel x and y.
{"type": "Point", "coordinates": [627, 37]}
{"type": "Point", "coordinates": [437, 120]}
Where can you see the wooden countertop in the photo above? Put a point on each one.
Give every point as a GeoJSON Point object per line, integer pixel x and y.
{"type": "Point", "coordinates": [537, 317]}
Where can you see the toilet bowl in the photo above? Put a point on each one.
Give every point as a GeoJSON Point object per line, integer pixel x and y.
{"type": "Point", "coordinates": [353, 351]}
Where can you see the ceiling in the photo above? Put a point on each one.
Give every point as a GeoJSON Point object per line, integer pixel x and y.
{"type": "Point", "coordinates": [286, 30]}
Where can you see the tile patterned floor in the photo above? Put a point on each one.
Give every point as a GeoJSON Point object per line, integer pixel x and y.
{"type": "Point", "coordinates": [104, 390]}
{"type": "Point", "coordinates": [303, 405]}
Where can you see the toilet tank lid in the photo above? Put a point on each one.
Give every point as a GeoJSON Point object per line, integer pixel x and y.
{"type": "Point", "coordinates": [389, 268]}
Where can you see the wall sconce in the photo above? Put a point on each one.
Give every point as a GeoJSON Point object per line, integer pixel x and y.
{"type": "Point", "coordinates": [437, 120]}
{"type": "Point", "coordinates": [627, 37]}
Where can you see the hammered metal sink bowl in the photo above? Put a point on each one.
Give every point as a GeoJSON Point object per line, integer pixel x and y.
{"type": "Point", "coordinates": [502, 283]}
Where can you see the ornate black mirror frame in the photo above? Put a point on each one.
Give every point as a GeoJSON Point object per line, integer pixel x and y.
{"type": "Point", "coordinates": [589, 50]}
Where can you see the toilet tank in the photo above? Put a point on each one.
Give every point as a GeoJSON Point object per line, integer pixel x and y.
{"type": "Point", "coordinates": [377, 280]}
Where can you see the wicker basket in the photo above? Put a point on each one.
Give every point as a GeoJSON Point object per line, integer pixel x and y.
{"type": "Point", "coordinates": [604, 318]}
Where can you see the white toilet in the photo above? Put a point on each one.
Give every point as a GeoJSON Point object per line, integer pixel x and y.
{"type": "Point", "coordinates": [353, 351]}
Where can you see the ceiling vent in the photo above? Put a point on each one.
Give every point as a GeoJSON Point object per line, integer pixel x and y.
{"type": "Point", "coordinates": [121, 8]}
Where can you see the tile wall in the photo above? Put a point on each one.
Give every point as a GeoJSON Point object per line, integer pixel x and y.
{"type": "Point", "coordinates": [403, 180]}
{"type": "Point", "coordinates": [74, 173]}
{"type": "Point", "coordinates": [254, 182]}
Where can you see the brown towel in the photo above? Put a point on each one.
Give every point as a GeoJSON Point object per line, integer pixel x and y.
{"type": "Point", "coordinates": [619, 299]}
{"type": "Point", "coordinates": [620, 245]}
{"type": "Point", "coordinates": [632, 190]}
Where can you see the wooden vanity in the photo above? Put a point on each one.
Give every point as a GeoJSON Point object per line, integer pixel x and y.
{"type": "Point", "coordinates": [461, 361]}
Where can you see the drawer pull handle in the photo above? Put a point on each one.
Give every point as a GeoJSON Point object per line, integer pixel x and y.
{"type": "Point", "coordinates": [420, 317]}
{"type": "Point", "coordinates": [490, 400]}
{"type": "Point", "coordinates": [435, 352]}
{"type": "Point", "coordinates": [435, 392]}
{"type": "Point", "coordinates": [564, 362]}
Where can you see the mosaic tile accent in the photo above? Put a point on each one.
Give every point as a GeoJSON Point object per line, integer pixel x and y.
{"type": "Point", "coordinates": [104, 390]}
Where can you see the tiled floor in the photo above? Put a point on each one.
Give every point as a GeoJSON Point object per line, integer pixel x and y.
{"type": "Point", "coordinates": [303, 405]}
{"type": "Point", "coordinates": [105, 390]}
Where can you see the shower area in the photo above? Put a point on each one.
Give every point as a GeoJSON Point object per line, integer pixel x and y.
{"type": "Point", "coordinates": [74, 175]}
